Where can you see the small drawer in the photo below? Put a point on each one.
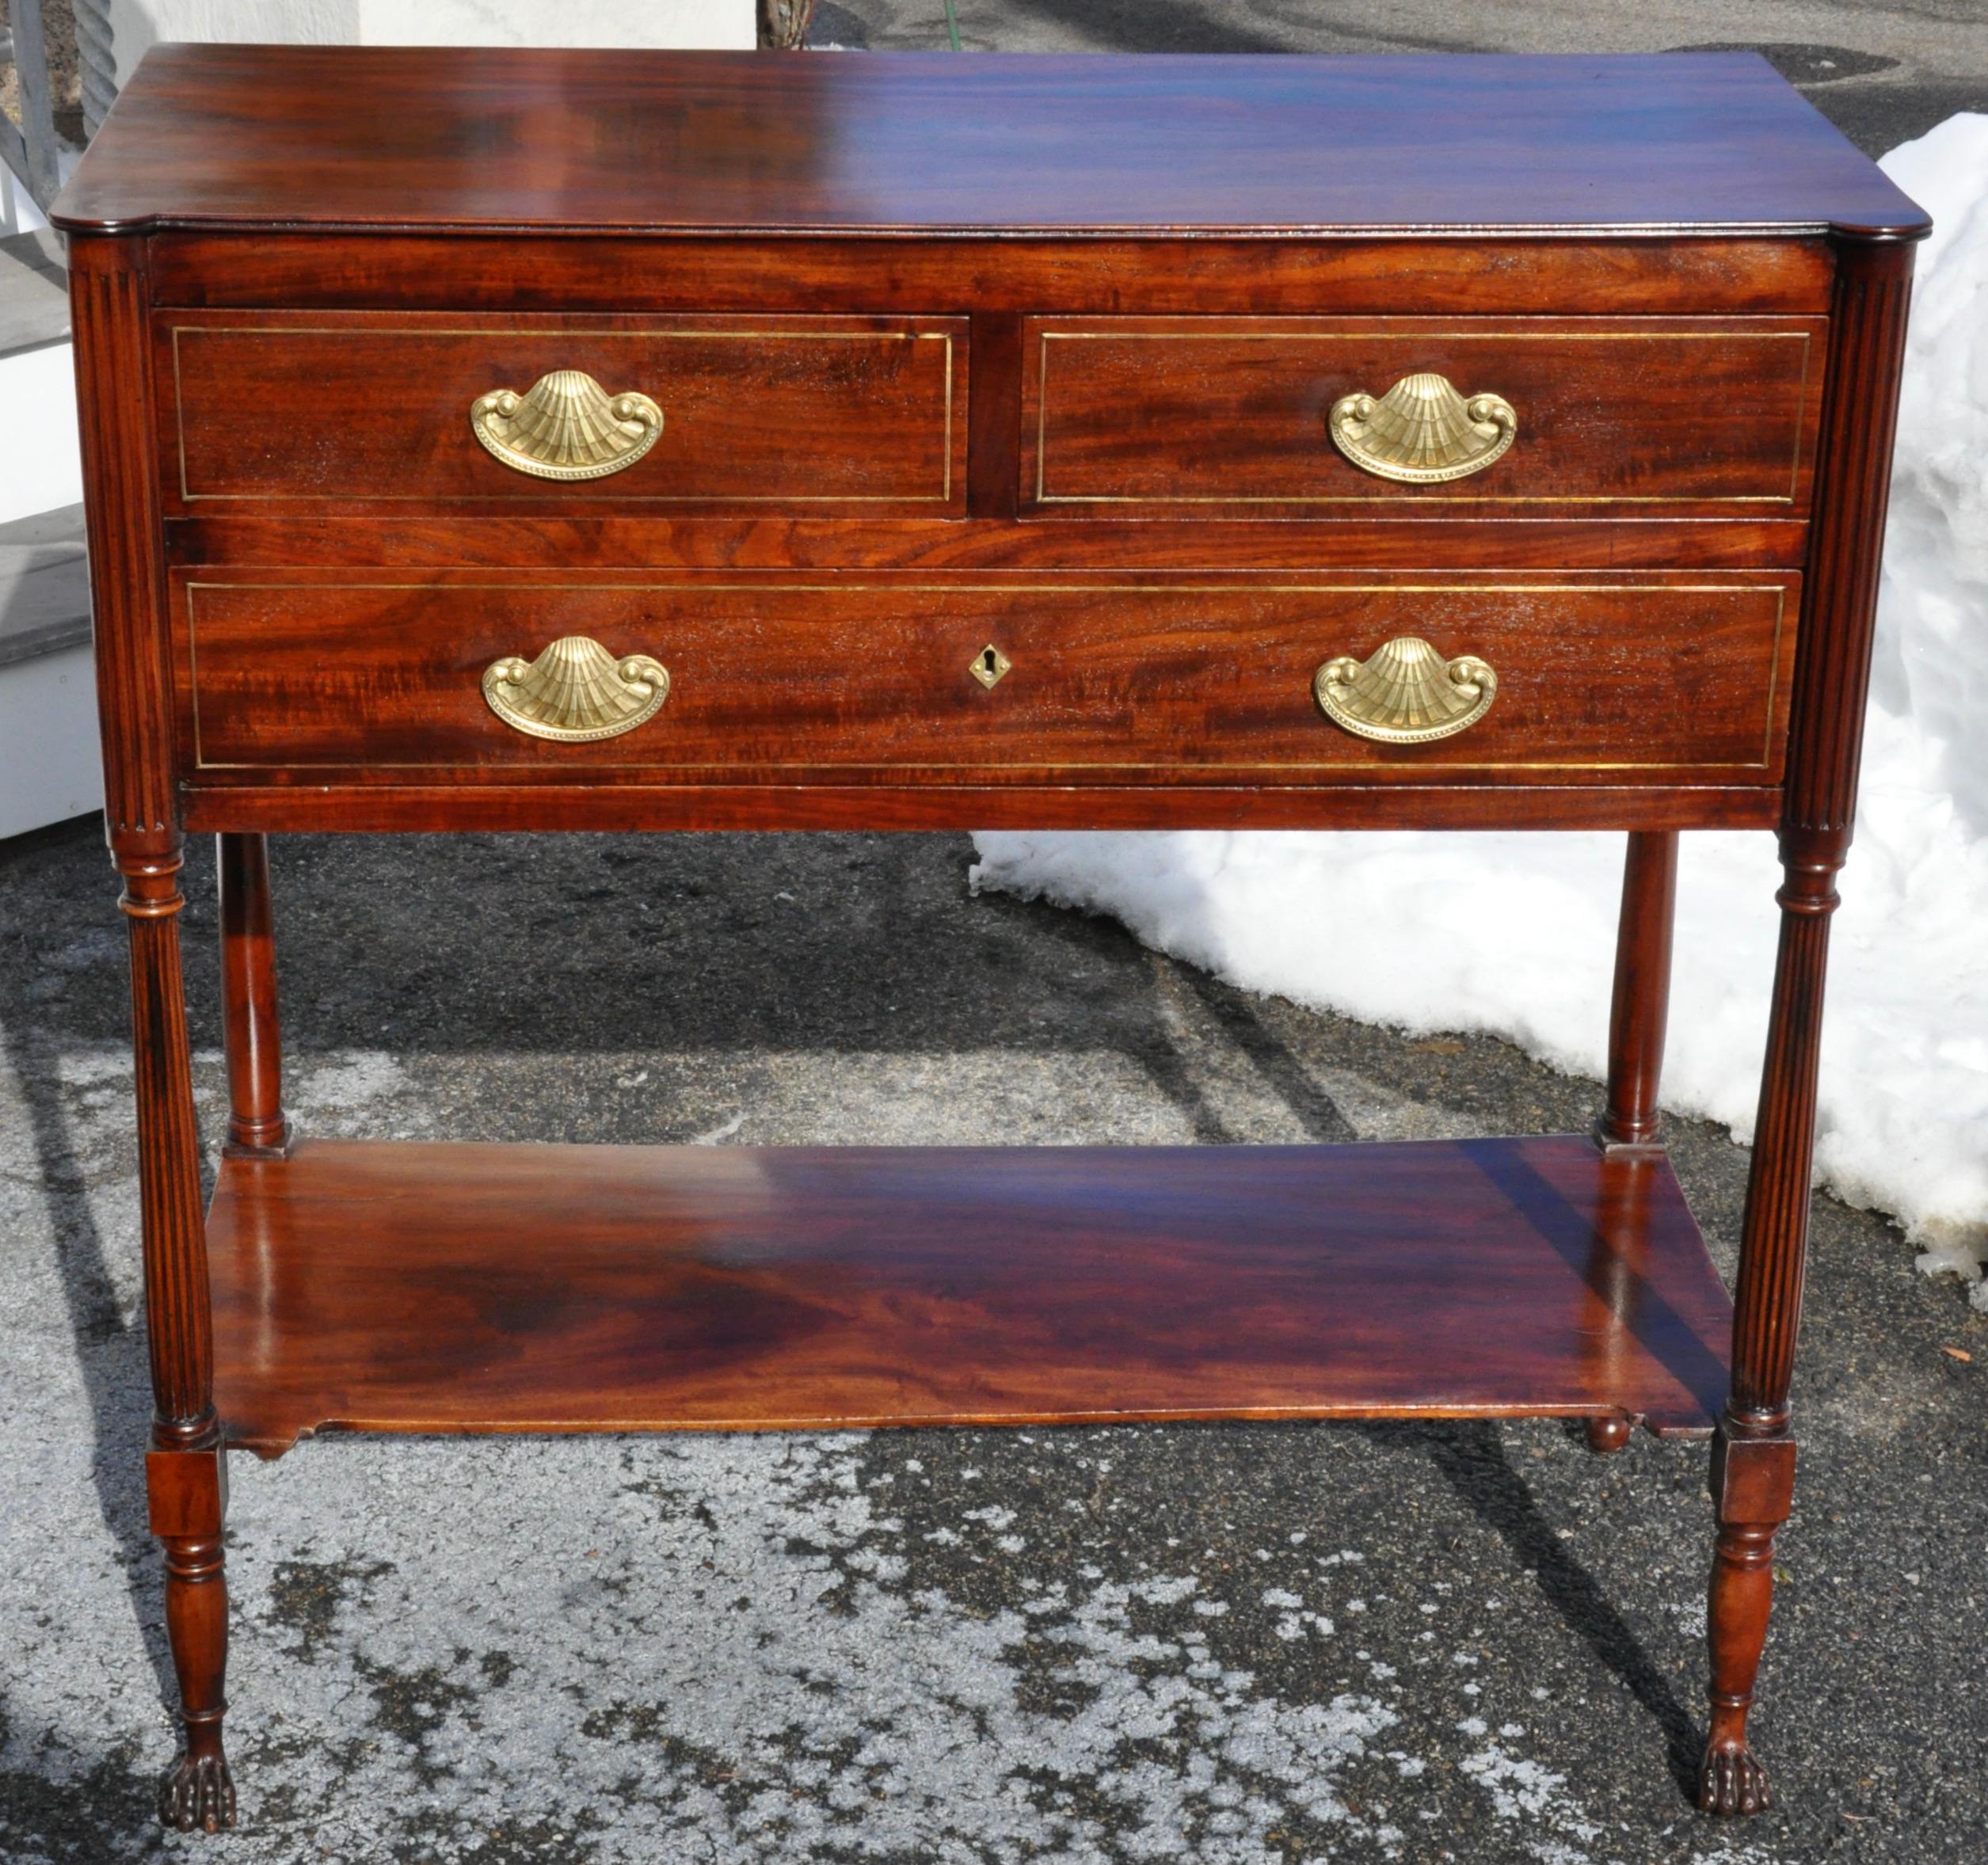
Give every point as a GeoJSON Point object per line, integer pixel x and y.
{"type": "Point", "coordinates": [463, 677]}
{"type": "Point", "coordinates": [861, 415]}
{"type": "Point", "coordinates": [1314, 418]}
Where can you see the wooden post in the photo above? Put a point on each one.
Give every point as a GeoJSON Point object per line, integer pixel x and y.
{"type": "Point", "coordinates": [783, 23]}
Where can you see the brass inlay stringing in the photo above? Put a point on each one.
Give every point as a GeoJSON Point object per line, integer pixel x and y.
{"type": "Point", "coordinates": [565, 426]}
{"type": "Point", "coordinates": [988, 666]}
{"type": "Point", "coordinates": [1405, 693]}
{"type": "Point", "coordinates": [575, 691]}
{"type": "Point", "coordinates": [1421, 432]}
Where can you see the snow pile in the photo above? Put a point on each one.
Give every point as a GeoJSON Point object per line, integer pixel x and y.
{"type": "Point", "coordinates": [1513, 932]}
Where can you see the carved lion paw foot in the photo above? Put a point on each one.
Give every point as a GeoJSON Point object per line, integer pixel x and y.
{"type": "Point", "coordinates": [1733, 1782]}
{"type": "Point", "coordinates": [198, 1796]}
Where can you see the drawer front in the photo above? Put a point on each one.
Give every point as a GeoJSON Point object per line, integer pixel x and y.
{"type": "Point", "coordinates": [1261, 417]}
{"type": "Point", "coordinates": [821, 414]}
{"type": "Point", "coordinates": [389, 678]}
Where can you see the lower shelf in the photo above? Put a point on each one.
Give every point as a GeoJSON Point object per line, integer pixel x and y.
{"type": "Point", "coordinates": [418, 1288]}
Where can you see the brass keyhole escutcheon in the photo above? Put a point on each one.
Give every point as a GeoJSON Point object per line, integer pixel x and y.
{"type": "Point", "coordinates": [989, 665]}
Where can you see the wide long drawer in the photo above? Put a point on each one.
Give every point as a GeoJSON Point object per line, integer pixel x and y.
{"type": "Point", "coordinates": [550, 676]}
{"type": "Point", "coordinates": [655, 414]}
{"type": "Point", "coordinates": [1324, 417]}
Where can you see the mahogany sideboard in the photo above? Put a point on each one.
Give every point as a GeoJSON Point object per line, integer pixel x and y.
{"type": "Point", "coordinates": [480, 439]}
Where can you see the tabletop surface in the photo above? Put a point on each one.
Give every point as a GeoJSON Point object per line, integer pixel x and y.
{"type": "Point", "coordinates": [417, 139]}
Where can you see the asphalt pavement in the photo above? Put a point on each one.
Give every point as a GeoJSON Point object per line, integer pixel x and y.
{"type": "Point", "coordinates": [1209, 1644]}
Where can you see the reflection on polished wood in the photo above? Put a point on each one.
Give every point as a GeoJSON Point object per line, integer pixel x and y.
{"type": "Point", "coordinates": [384, 138]}
{"type": "Point", "coordinates": [401, 1287]}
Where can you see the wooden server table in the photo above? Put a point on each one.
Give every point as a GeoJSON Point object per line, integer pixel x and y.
{"type": "Point", "coordinates": [602, 441]}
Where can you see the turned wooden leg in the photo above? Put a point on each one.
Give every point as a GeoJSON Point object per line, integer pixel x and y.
{"type": "Point", "coordinates": [110, 300]}
{"type": "Point", "coordinates": [188, 1494]}
{"type": "Point", "coordinates": [1753, 1472]}
{"type": "Point", "coordinates": [1627, 1129]}
{"type": "Point", "coordinates": [1753, 1482]}
{"type": "Point", "coordinates": [256, 1127]}
{"type": "Point", "coordinates": [1642, 1000]}
{"type": "Point", "coordinates": [186, 1477]}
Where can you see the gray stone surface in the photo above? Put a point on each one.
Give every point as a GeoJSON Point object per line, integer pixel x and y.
{"type": "Point", "coordinates": [1218, 1646]}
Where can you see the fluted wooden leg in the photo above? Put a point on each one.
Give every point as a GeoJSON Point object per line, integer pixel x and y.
{"type": "Point", "coordinates": [1753, 1469]}
{"type": "Point", "coordinates": [185, 1475]}
{"type": "Point", "coordinates": [256, 1127]}
{"type": "Point", "coordinates": [1753, 1472]}
{"type": "Point", "coordinates": [1641, 1006]}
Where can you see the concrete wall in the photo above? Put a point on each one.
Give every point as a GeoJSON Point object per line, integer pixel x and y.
{"type": "Point", "coordinates": [137, 24]}
{"type": "Point", "coordinates": [50, 767]}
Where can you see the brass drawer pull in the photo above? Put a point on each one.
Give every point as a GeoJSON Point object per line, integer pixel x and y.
{"type": "Point", "coordinates": [1406, 693]}
{"type": "Point", "coordinates": [575, 691]}
{"type": "Point", "coordinates": [1421, 432]}
{"type": "Point", "coordinates": [565, 426]}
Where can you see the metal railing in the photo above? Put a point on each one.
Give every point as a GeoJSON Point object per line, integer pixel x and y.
{"type": "Point", "coordinates": [29, 150]}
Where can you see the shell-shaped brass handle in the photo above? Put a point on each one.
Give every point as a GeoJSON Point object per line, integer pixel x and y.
{"type": "Point", "coordinates": [1421, 432]}
{"type": "Point", "coordinates": [565, 426]}
{"type": "Point", "coordinates": [1406, 693]}
{"type": "Point", "coordinates": [575, 691]}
